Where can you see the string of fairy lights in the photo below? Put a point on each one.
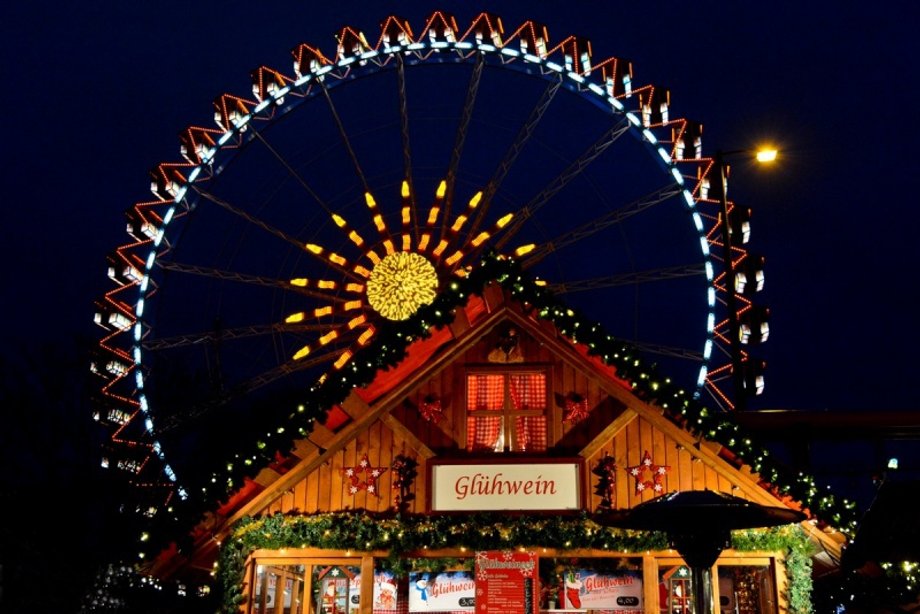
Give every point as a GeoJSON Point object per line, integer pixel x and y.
{"type": "Point", "coordinates": [406, 536]}
{"type": "Point", "coordinates": [390, 346]}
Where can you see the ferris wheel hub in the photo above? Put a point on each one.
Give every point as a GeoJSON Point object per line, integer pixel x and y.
{"type": "Point", "coordinates": [401, 283]}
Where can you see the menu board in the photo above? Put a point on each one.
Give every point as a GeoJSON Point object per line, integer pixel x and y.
{"type": "Point", "coordinates": [506, 582]}
{"type": "Point", "coordinates": [453, 591]}
{"type": "Point", "coordinates": [617, 592]}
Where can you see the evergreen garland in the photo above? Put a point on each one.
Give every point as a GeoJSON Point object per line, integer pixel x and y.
{"type": "Point", "coordinates": [389, 348]}
{"type": "Point", "coordinates": [402, 535]}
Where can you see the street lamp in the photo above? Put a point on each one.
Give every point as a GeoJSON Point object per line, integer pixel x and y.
{"type": "Point", "coordinates": [746, 279]}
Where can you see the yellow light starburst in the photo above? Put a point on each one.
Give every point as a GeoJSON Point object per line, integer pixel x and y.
{"type": "Point", "coordinates": [392, 275]}
{"type": "Point", "coordinates": [400, 284]}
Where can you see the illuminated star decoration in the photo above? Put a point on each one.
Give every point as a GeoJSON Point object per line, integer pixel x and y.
{"type": "Point", "coordinates": [576, 408]}
{"type": "Point", "coordinates": [371, 474]}
{"type": "Point", "coordinates": [386, 277]}
{"type": "Point", "coordinates": [654, 480]}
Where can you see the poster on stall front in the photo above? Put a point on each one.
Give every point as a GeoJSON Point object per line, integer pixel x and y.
{"type": "Point", "coordinates": [453, 591]}
{"type": "Point", "coordinates": [616, 592]}
{"type": "Point", "coordinates": [384, 592]}
{"type": "Point", "coordinates": [507, 582]}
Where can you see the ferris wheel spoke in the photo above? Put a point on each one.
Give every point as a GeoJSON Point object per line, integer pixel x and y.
{"type": "Point", "coordinates": [570, 173]}
{"type": "Point", "coordinates": [406, 147]}
{"type": "Point", "coordinates": [625, 279]}
{"type": "Point", "coordinates": [243, 388]}
{"type": "Point", "coordinates": [267, 282]}
{"type": "Point", "coordinates": [229, 334]}
{"type": "Point", "coordinates": [297, 176]}
{"type": "Point", "coordinates": [462, 129]}
{"type": "Point", "coordinates": [345, 140]}
{"type": "Point", "coordinates": [237, 211]}
{"type": "Point", "coordinates": [601, 223]}
{"type": "Point", "coordinates": [316, 252]}
{"type": "Point", "coordinates": [512, 153]}
{"type": "Point", "coordinates": [667, 350]}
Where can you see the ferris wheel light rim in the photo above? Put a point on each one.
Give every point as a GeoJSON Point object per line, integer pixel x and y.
{"type": "Point", "coordinates": [317, 73]}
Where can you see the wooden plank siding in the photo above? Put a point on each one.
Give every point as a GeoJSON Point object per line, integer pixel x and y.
{"type": "Point", "coordinates": [610, 429]}
{"type": "Point", "coordinates": [386, 422]}
{"type": "Point", "coordinates": [327, 487]}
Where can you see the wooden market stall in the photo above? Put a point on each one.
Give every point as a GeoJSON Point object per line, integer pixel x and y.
{"type": "Point", "coordinates": [496, 434]}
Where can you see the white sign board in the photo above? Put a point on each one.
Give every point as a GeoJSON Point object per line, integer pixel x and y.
{"type": "Point", "coordinates": [452, 591]}
{"type": "Point", "coordinates": [508, 486]}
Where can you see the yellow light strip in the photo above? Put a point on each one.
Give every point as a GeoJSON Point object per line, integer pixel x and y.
{"type": "Point", "coordinates": [440, 248]}
{"type": "Point", "coordinates": [457, 255]}
{"type": "Point", "coordinates": [463, 217]}
{"type": "Point", "coordinates": [294, 318]}
{"type": "Point", "coordinates": [360, 270]}
{"type": "Point", "coordinates": [525, 249]}
{"type": "Point", "coordinates": [433, 215]}
{"type": "Point", "coordinates": [366, 336]}
{"type": "Point", "coordinates": [343, 359]}
{"type": "Point", "coordinates": [356, 238]}
{"type": "Point", "coordinates": [480, 238]}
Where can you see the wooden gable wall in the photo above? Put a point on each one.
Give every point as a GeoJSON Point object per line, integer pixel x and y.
{"type": "Point", "coordinates": [610, 429]}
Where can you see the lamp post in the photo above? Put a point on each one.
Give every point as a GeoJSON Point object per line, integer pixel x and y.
{"type": "Point", "coordinates": [763, 156]}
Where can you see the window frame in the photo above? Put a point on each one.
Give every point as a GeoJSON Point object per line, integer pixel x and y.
{"type": "Point", "coordinates": [507, 412]}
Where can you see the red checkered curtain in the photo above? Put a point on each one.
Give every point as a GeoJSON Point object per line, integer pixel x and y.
{"type": "Point", "coordinates": [484, 392]}
{"type": "Point", "coordinates": [528, 391]}
{"type": "Point", "coordinates": [528, 394]}
{"type": "Point", "coordinates": [484, 433]}
{"type": "Point", "coordinates": [531, 433]}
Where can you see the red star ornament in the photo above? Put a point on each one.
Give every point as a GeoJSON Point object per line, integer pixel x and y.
{"type": "Point", "coordinates": [371, 475]}
{"type": "Point", "coordinates": [648, 475]}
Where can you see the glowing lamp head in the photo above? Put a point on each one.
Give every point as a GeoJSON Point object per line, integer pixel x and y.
{"type": "Point", "coordinates": [400, 284]}
{"type": "Point", "coordinates": [766, 155]}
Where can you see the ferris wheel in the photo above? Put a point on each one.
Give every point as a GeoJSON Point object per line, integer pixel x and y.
{"type": "Point", "coordinates": [326, 203]}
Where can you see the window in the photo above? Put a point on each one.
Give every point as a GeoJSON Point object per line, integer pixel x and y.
{"type": "Point", "coordinates": [506, 411]}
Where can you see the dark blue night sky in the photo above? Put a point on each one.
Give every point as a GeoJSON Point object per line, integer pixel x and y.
{"type": "Point", "coordinates": [97, 92]}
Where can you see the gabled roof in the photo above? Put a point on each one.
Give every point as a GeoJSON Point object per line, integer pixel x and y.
{"type": "Point", "coordinates": [426, 357]}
